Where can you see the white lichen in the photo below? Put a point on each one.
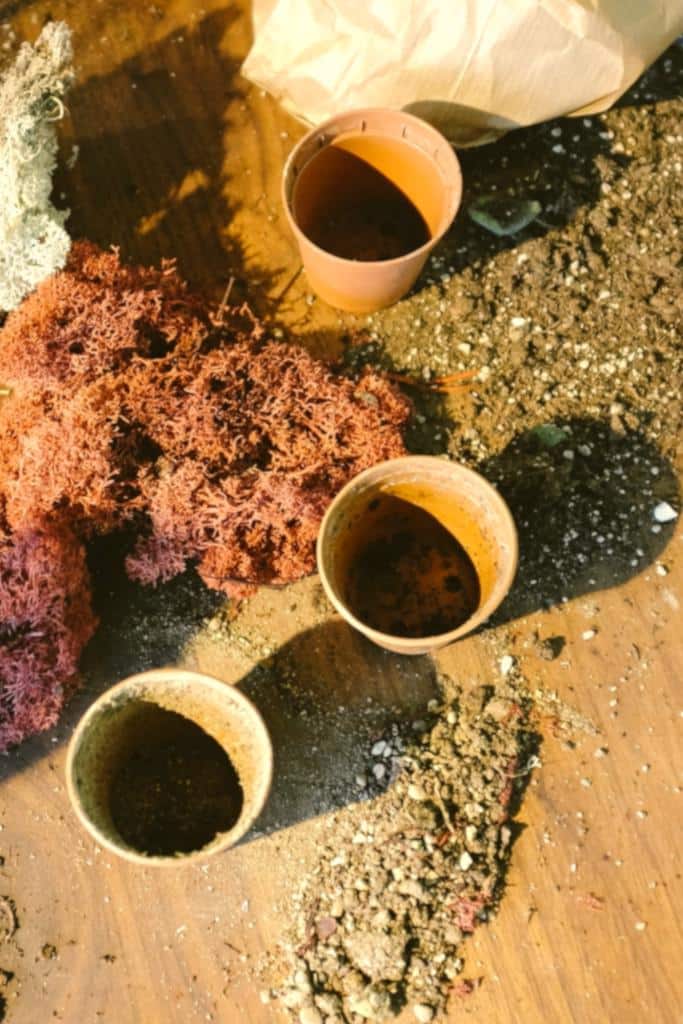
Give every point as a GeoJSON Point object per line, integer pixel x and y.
{"type": "Point", "coordinates": [33, 241]}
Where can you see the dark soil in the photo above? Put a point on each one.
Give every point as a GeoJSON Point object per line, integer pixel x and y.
{"type": "Point", "coordinates": [368, 218]}
{"type": "Point", "coordinates": [178, 791]}
{"type": "Point", "coordinates": [411, 577]}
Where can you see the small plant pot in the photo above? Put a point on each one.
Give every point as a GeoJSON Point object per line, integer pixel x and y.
{"type": "Point", "coordinates": [143, 717]}
{"type": "Point", "coordinates": [352, 167]}
{"type": "Point", "coordinates": [382, 502]}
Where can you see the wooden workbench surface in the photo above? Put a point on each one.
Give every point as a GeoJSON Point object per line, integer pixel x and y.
{"type": "Point", "coordinates": [179, 156]}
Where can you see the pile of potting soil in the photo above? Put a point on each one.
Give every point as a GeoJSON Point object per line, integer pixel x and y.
{"type": "Point", "coordinates": [133, 408]}
{"type": "Point", "coordinates": [401, 883]}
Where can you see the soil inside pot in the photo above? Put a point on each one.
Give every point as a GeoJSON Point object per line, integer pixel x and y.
{"type": "Point", "coordinates": [407, 575]}
{"type": "Point", "coordinates": [349, 208]}
{"type": "Point", "coordinates": [176, 789]}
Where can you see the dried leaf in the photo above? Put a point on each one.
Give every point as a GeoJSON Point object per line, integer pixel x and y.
{"type": "Point", "coordinates": [549, 435]}
{"type": "Point", "coordinates": [503, 215]}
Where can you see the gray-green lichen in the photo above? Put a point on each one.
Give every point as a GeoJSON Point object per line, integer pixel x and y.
{"type": "Point", "coordinates": [33, 241]}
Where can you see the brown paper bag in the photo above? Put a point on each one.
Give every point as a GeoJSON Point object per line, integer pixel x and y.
{"type": "Point", "coordinates": [474, 68]}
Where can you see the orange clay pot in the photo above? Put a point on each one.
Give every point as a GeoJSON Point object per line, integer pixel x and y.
{"type": "Point", "coordinates": [461, 500]}
{"type": "Point", "coordinates": [113, 727]}
{"type": "Point", "coordinates": [410, 155]}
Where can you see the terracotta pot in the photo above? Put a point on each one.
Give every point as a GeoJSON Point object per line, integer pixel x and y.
{"type": "Point", "coordinates": [117, 725]}
{"type": "Point", "coordinates": [407, 152]}
{"type": "Point", "coordinates": [461, 500]}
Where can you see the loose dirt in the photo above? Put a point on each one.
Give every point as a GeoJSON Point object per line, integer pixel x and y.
{"type": "Point", "coordinates": [409, 576]}
{"type": "Point", "coordinates": [176, 791]}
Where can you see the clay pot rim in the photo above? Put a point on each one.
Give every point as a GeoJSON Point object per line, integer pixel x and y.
{"type": "Point", "coordinates": [221, 842]}
{"type": "Point", "coordinates": [431, 242]}
{"type": "Point", "coordinates": [421, 644]}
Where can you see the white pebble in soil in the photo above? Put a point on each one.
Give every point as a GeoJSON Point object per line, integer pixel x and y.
{"type": "Point", "coordinates": [664, 513]}
{"type": "Point", "coordinates": [309, 1015]}
{"type": "Point", "coordinates": [423, 1013]}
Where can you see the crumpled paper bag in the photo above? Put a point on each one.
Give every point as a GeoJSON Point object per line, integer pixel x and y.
{"type": "Point", "coordinates": [473, 68]}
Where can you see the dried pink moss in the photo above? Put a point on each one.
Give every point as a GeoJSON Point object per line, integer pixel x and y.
{"type": "Point", "coordinates": [45, 621]}
{"type": "Point", "coordinates": [132, 407]}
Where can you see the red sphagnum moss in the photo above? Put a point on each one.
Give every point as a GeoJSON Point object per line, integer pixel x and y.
{"type": "Point", "coordinates": [132, 406]}
{"type": "Point", "coordinates": [45, 621]}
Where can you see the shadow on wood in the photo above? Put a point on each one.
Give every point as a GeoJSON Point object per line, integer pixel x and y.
{"type": "Point", "coordinates": [327, 696]}
{"type": "Point", "coordinates": [582, 494]}
{"type": "Point", "coordinates": [150, 171]}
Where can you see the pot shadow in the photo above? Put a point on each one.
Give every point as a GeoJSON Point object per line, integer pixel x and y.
{"type": "Point", "coordinates": [582, 493]}
{"type": "Point", "coordinates": [327, 696]}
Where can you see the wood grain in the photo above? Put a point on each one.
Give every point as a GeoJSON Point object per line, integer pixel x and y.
{"type": "Point", "coordinates": [180, 157]}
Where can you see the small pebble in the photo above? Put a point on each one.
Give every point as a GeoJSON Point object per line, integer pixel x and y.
{"type": "Point", "coordinates": [379, 748]}
{"type": "Point", "coordinates": [641, 926]}
{"type": "Point", "coordinates": [506, 663]}
{"type": "Point", "coordinates": [301, 981]}
{"type": "Point", "coordinates": [465, 861]}
{"type": "Point", "coordinates": [292, 998]}
{"type": "Point", "coordinates": [423, 1013]}
{"type": "Point", "coordinates": [588, 634]}
{"type": "Point", "coordinates": [416, 792]}
{"type": "Point", "coordinates": [309, 1015]}
{"type": "Point", "coordinates": [662, 570]}
{"type": "Point", "coordinates": [664, 513]}
{"type": "Point", "coordinates": [379, 771]}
